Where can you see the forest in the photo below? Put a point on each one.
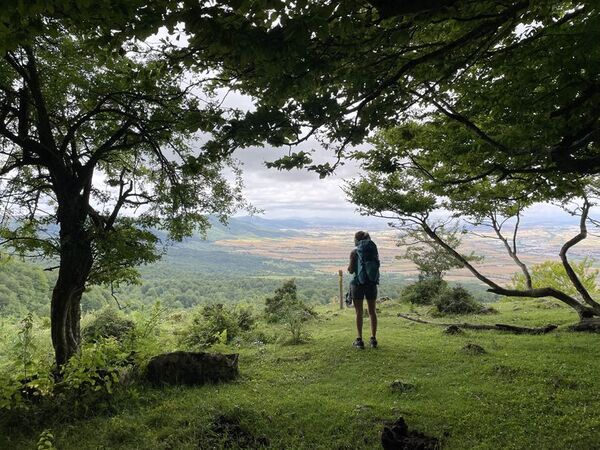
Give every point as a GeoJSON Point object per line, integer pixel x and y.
{"type": "Point", "coordinates": [132, 317]}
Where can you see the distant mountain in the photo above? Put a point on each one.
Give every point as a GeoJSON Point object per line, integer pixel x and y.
{"type": "Point", "coordinates": [328, 223]}
{"type": "Point", "coordinates": [240, 227]}
{"type": "Point", "coordinates": [274, 224]}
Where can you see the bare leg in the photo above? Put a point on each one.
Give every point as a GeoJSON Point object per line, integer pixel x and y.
{"type": "Point", "coordinates": [372, 316]}
{"type": "Point", "coordinates": [358, 306]}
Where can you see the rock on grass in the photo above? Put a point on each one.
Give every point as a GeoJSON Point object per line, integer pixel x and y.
{"type": "Point", "coordinates": [191, 368]}
{"type": "Point", "coordinates": [453, 330]}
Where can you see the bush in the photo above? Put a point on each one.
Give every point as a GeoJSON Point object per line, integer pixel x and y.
{"type": "Point", "coordinates": [245, 318]}
{"type": "Point", "coordinates": [457, 301]}
{"type": "Point", "coordinates": [295, 318]}
{"type": "Point", "coordinates": [108, 323]}
{"type": "Point", "coordinates": [425, 291]}
{"type": "Point", "coordinates": [95, 369]}
{"type": "Point", "coordinates": [284, 296]}
{"type": "Point", "coordinates": [284, 300]}
{"type": "Point", "coordinates": [217, 323]}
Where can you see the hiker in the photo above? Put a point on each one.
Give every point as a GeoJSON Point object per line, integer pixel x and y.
{"type": "Point", "coordinates": [364, 264]}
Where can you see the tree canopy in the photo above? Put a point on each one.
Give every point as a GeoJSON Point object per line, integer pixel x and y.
{"type": "Point", "coordinates": [518, 78]}
{"type": "Point", "coordinates": [515, 82]}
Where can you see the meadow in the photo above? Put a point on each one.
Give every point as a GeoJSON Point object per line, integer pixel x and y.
{"type": "Point", "coordinates": [523, 392]}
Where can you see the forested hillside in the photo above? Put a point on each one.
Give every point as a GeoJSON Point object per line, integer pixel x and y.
{"type": "Point", "coordinates": [192, 272]}
{"type": "Point", "coordinates": [23, 287]}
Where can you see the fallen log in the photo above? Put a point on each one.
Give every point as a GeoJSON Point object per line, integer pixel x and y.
{"type": "Point", "coordinates": [498, 326]}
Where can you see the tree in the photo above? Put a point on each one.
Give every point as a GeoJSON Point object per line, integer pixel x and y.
{"type": "Point", "coordinates": [516, 78]}
{"type": "Point", "coordinates": [285, 296]}
{"type": "Point", "coordinates": [404, 197]}
{"type": "Point", "coordinates": [431, 259]}
{"type": "Point", "coordinates": [96, 141]}
{"type": "Point", "coordinates": [515, 81]}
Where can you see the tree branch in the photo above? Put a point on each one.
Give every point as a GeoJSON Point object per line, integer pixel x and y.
{"type": "Point", "coordinates": [497, 289]}
{"type": "Point", "coordinates": [512, 252]}
{"type": "Point", "coordinates": [497, 326]}
{"type": "Point", "coordinates": [563, 257]}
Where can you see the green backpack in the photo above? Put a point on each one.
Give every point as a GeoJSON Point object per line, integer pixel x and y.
{"type": "Point", "coordinates": [367, 270]}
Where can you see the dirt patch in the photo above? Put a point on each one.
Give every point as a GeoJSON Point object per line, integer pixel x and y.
{"type": "Point", "coordinates": [401, 386]}
{"type": "Point", "coordinates": [453, 330]}
{"type": "Point", "coordinates": [560, 383]}
{"type": "Point", "coordinates": [235, 435]}
{"type": "Point", "coordinates": [473, 349]}
{"type": "Point", "coordinates": [398, 437]}
{"type": "Point", "coordinates": [506, 372]}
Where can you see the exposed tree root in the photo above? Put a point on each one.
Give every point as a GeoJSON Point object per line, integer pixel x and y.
{"type": "Point", "coordinates": [498, 326]}
{"type": "Point", "coordinates": [590, 325]}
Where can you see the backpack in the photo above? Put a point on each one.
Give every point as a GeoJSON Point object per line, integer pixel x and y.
{"type": "Point", "coordinates": [367, 271]}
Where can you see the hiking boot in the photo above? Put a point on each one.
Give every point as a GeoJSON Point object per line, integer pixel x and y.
{"type": "Point", "coordinates": [373, 342]}
{"type": "Point", "coordinates": [358, 343]}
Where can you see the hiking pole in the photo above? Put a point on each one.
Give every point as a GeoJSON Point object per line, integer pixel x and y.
{"type": "Point", "coordinates": [341, 275]}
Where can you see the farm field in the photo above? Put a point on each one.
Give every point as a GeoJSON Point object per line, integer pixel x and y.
{"type": "Point", "coordinates": [327, 251]}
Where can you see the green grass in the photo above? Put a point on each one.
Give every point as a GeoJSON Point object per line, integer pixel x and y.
{"type": "Point", "coordinates": [525, 392]}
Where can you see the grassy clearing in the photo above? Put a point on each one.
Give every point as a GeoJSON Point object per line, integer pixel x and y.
{"type": "Point", "coordinates": [525, 392]}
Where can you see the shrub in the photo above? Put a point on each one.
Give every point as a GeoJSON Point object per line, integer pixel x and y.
{"type": "Point", "coordinates": [424, 291]}
{"type": "Point", "coordinates": [295, 317]}
{"type": "Point", "coordinates": [95, 368]}
{"type": "Point", "coordinates": [245, 318]}
{"type": "Point", "coordinates": [284, 300]}
{"type": "Point", "coordinates": [284, 296]}
{"type": "Point", "coordinates": [457, 300]}
{"type": "Point", "coordinates": [107, 323]}
{"type": "Point", "coordinates": [217, 323]}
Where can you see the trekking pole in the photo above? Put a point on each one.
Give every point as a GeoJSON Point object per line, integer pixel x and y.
{"type": "Point", "coordinates": [341, 275]}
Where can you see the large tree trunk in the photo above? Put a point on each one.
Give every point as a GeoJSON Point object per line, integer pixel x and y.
{"type": "Point", "coordinates": [75, 266]}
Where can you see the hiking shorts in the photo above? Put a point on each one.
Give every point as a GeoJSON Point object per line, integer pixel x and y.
{"type": "Point", "coordinates": [360, 291]}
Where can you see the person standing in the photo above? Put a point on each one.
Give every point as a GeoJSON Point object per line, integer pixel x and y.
{"type": "Point", "coordinates": [364, 265]}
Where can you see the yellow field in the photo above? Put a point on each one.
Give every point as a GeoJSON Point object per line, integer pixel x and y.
{"type": "Point", "coordinates": [328, 250]}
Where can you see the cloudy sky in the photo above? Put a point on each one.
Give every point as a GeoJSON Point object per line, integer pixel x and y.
{"type": "Point", "coordinates": [295, 193]}
{"type": "Point", "coordinates": [301, 194]}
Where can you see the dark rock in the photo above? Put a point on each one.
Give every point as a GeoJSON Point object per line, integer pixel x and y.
{"type": "Point", "coordinates": [192, 368]}
{"type": "Point", "coordinates": [474, 349]}
{"type": "Point", "coordinates": [383, 299]}
{"type": "Point", "coordinates": [502, 371]}
{"type": "Point", "coordinates": [453, 329]}
{"type": "Point", "coordinates": [398, 437]}
{"type": "Point", "coordinates": [563, 383]}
